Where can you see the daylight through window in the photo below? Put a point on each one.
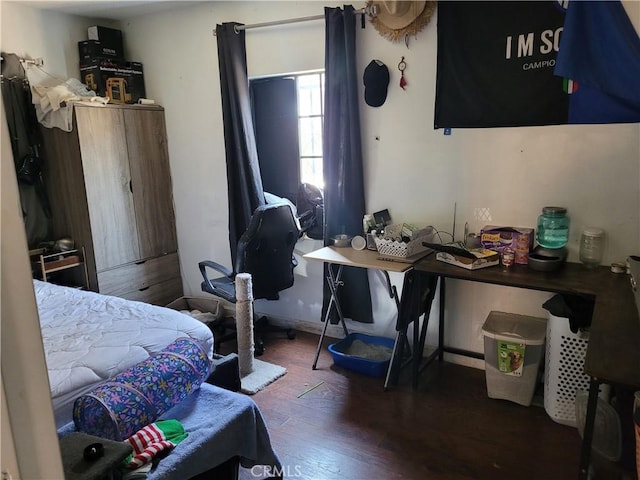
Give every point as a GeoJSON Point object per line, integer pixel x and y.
{"type": "Point", "coordinates": [310, 88]}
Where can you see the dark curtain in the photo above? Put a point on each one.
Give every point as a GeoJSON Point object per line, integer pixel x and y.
{"type": "Point", "coordinates": [344, 200]}
{"type": "Point", "coordinates": [245, 190]}
{"type": "Point", "coordinates": [274, 102]}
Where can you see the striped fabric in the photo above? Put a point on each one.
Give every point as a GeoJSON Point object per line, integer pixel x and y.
{"type": "Point", "coordinates": [156, 437]}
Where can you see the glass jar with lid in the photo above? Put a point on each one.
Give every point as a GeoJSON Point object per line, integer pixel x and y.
{"type": "Point", "coordinates": [591, 246]}
{"type": "Point", "coordinates": [553, 227]}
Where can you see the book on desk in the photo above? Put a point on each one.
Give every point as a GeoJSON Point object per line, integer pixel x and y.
{"type": "Point", "coordinates": [471, 259]}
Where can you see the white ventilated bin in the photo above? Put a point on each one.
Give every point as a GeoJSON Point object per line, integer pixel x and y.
{"type": "Point", "coordinates": [513, 348]}
{"type": "Point", "coordinates": [564, 370]}
{"type": "Point", "coordinates": [390, 245]}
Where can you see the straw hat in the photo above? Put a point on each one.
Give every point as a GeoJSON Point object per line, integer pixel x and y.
{"type": "Point", "coordinates": [396, 19]}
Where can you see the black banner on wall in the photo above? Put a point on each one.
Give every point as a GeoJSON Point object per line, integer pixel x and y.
{"type": "Point", "coordinates": [507, 64]}
{"type": "Point", "coordinates": [495, 64]}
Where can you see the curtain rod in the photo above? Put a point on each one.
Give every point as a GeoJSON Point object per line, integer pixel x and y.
{"type": "Point", "coordinates": [371, 10]}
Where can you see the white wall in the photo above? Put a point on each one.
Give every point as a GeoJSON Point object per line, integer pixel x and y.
{"type": "Point", "coordinates": [416, 172]}
{"type": "Point", "coordinates": [52, 36]}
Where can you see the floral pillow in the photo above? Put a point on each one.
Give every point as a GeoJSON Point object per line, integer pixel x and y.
{"type": "Point", "coordinates": [121, 406]}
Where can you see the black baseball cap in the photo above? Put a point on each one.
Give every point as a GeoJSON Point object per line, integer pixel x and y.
{"type": "Point", "coordinates": [376, 81]}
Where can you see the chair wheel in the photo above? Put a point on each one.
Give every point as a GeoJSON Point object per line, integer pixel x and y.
{"type": "Point", "coordinates": [259, 348]}
{"type": "Point", "coordinates": [291, 334]}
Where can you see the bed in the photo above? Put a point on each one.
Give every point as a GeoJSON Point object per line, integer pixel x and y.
{"type": "Point", "coordinates": [89, 338]}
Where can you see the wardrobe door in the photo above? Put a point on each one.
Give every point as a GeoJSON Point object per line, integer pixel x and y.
{"type": "Point", "coordinates": [151, 181]}
{"type": "Point", "coordinates": [102, 136]}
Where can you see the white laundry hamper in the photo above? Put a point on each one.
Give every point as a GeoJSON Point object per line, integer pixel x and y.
{"type": "Point", "coordinates": [564, 370]}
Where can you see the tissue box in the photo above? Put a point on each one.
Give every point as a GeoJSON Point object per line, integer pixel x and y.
{"type": "Point", "coordinates": [518, 239]}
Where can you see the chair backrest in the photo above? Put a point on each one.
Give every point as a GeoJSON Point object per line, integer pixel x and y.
{"type": "Point", "coordinates": [265, 249]}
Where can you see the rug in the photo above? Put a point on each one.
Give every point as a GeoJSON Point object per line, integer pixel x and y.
{"type": "Point", "coordinates": [262, 375]}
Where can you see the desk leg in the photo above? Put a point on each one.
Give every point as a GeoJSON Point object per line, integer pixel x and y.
{"type": "Point", "coordinates": [433, 284]}
{"type": "Point", "coordinates": [397, 355]}
{"type": "Point", "coordinates": [334, 282]}
{"type": "Point", "coordinates": [419, 365]}
{"type": "Point", "coordinates": [441, 320]}
{"type": "Point", "coordinates": [589, 423]}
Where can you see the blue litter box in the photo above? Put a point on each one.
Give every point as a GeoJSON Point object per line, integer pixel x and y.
{"type": "Point", "coordinates": [366, 366]}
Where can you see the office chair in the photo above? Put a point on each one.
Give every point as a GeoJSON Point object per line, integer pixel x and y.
{"type": "Point", "coordinates": [265, 250]}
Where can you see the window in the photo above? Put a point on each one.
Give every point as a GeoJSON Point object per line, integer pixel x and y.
{"type": "Point", "coordinates": [288, 121]}
{"type": "Point", "coordinates": [310, 89]}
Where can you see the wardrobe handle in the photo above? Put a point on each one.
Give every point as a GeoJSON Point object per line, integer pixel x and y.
{"type": "Point", "coordinates": [143, 289]}
{"type": "Point", "coordinates": [130, 186]}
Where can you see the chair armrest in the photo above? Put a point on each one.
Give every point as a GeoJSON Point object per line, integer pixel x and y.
{"type": "Point", "coordinates": [215, 266]}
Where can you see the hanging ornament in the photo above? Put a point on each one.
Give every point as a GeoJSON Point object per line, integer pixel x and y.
{"type": "Point", "coordinates": [401, 66]}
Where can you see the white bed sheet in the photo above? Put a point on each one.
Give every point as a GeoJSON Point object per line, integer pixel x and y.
{"type": "Point", "coordinates": [89, 338]}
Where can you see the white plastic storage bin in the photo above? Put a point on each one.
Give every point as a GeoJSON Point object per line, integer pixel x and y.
{"type": "Point", "coordinates": [513, 348]}
{"type": "Point", "coordinates": [564, 370]}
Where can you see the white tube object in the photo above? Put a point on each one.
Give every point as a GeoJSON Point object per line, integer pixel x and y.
{"type": "Point", "coordinates": [244, 323]}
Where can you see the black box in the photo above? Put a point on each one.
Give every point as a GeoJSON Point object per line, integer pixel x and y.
{"type": "Point", "coordinates": [90, 49]}
{"type": "Point", "coordinates": [109, 38]}
{"type": "Point", "coordinates": [121, 81]}
{"type": "Point", "coordinates": [225, 372]}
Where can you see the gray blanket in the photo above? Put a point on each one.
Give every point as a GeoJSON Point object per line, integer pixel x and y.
{"type": "Point", "coordinates": [221, 424]}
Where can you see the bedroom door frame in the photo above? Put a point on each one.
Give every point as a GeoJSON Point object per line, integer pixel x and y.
{"type": "Point", "coordinates": [26, 396]}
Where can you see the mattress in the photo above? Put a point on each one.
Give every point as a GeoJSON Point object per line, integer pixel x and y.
{"type": "Point", "coordinates": [89, 338]}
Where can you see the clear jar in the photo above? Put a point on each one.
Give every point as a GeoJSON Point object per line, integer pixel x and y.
{"type": "Point", "coordinates": [591, 246]}
{"type": "Point", "coordinates": [553, 227]}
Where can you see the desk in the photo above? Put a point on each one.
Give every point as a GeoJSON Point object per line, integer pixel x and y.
{"type": "Point", "coordinates": [613, 352]}
{"type": "Point", "coordinates": [349, 257]}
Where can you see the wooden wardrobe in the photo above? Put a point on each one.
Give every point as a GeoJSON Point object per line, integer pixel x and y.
{"type": "Point", "coordinates": [109, 184]}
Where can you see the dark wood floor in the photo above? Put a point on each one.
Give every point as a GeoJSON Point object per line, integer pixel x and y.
{"type": "Point", "coordinates": [349, 428]}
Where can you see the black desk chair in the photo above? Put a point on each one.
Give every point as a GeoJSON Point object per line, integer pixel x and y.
{"type": "Point", "coordinates": [265, 250]}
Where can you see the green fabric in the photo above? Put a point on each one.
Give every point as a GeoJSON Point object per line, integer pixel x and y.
{"type": "Point", "coordinates": [173, 430]}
